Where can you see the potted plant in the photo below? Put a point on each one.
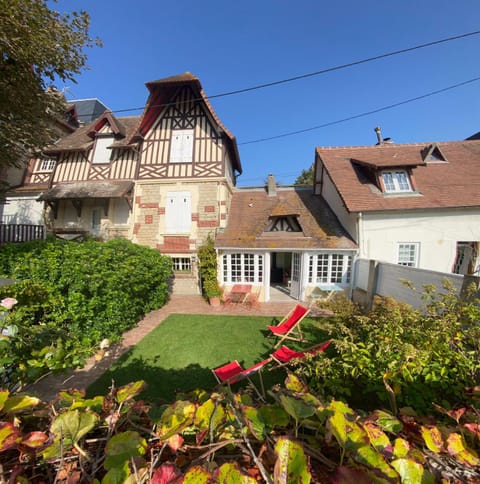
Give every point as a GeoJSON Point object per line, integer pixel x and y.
{"type": "Point", "coordinates": [212, 291]}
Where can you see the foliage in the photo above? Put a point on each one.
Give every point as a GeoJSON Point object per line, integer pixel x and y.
{"type": "Point", "coordinates": [90, 291]}
{"type": "Point", "coordinates": [227, 437]}
{"type": "Point", "coordinates": [208, 268]}
{"type": "Point", "coordinates": [305, 178]}
{"type": "Point", "coordinates": [400, 356]}
{"type": "Point", "coordinates": [39, 46]}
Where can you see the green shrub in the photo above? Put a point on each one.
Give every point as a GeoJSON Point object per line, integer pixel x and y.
{"type": "Point", "coordinates": [420, 356]}
{"type": "Point", "coordinates": [72, 295]}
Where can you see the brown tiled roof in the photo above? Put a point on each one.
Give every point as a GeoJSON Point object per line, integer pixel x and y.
{"type": "Point", "coordinates": [80, 140]}
{"type": "Point", "coordinates": [249, 216]}
{"type": "Point", "coordinates": [453, 183]}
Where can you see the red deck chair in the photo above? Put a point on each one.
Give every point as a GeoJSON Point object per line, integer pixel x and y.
{"type": "Point", "coordinates": [284, 354]}
{"type": "Point", "coordinates": [289, 326]}
{"type": "Point", "coordinates": [233, 372]}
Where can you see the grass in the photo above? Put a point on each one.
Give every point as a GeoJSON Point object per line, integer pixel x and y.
{"type": "Point", "coordinates": [179, 354]}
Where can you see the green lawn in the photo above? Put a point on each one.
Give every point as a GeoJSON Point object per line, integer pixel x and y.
{"type": "Point", "coordinates": [180, 353]}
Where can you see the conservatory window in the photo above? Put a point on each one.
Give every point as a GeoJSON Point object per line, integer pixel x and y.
{"type": "Point", "coordinates": [329, 269]}
{"type": "Point", "coordinates": [242, 268]}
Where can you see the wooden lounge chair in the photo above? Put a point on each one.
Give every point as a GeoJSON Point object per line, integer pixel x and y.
{"type": "Point", "coordinates": [233, 372]}
{"type": "Point", "coordinates": [289, 326]}
{"type": "Point", "coordinates": [284, 354]}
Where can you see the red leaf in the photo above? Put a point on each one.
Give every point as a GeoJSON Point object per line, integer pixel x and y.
{"type": "Point", "coordinates": [9, 435]}
{"type": "Point", "coordinates": [35, 439]}
{"type": "Point", "coordinates": [474, 428]}
{"type": "Point", "coordinates": [201, 436]}
{"type": "Point", "coordinates": [167, 474]}
{"type": "Point", "coordinates": [175, 442]}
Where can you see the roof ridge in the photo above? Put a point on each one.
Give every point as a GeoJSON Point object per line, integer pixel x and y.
{"type": "Point", "coordinates": [392, 145]}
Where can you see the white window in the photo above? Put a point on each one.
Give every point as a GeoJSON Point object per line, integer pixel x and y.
{"type": "Point", "coordinates": [182, 264]}
{"type": "Point", "coordinates": [47, 165]}
{"type": "Point", "coordinates": [396, 181]}
{"type": "Point", "coordinates": [178, 213]}
{"type": "Point", "coordinates": [181, 146]}
{"type": "Point", "coordinates": [242, 268]}
{"type": "Point", "coordinates": [102, 154]}
{"type": "Point", "coordinates": [329, 269]}
{"type": "Point", "coordinates": [407, 254]}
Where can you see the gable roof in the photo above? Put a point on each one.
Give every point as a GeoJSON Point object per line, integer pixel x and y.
{"type": "Point", "coordinates": [81, 139]}
{"type": "Point", "coordinates": [450, 184]}
{"type": "Point", "coordinates": [250, 212]}
{"type": "Point", "coordinates": [162, 92]}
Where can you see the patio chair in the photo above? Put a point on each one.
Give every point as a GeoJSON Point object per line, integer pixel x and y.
{"type": "Point", "coordinates": [289, 326]}
{"type": "Point", "coordinates": [284, 354]}
{"type": "Point", "coordinates": [252, 299]}
{"type": "Point", "coordinates": [233, 372]}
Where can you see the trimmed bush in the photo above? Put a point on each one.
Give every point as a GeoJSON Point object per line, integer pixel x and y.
{"type": "Point", "coordinates": [72, 295]}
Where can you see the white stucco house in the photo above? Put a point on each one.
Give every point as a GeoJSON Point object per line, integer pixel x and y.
{"type": "Point", "coordinates": [416, 205]}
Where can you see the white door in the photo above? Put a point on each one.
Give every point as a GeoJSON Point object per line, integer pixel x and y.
{"type": "Point", "coordinates": [295, 287]}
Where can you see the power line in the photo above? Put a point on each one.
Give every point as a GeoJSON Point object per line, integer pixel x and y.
{"type": "Point", "coordinates": [344, 66]}
{"type": "Point", "coordinates": [316, 73]}
{"type": "Point", "coordinates": [361, 115]}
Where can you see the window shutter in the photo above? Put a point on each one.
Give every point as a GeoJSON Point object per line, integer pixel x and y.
{"type": "Point", "coordinates": [178, 213]}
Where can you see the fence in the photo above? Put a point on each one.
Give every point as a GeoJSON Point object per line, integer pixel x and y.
{"type": "Point", "coordinates": [384, 279]}
{"type": "Point", "coordinates": [10, 233]}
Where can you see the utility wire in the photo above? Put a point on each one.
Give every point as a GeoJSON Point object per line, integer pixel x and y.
{"type": "Point", "coordinates": [317, 73]}
{"type": "Point", "coordinates": [344, 66]}
{"type": "Point", "coordinates": [361, 115]}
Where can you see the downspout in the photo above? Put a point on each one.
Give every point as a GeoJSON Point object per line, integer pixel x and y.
{"type": "Point", "coordinates": [360, 234]}
{"type": "Point", "coordinates": [359, 255]}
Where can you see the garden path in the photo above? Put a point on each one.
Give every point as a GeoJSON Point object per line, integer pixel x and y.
{"type": "Point", "coordinates": [47, 388]}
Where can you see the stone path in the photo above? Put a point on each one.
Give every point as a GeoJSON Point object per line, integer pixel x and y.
{"type": "Point", "coordinates": [47, 388]}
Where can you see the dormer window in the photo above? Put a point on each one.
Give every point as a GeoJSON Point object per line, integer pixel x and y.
{"type": "Point", "coordinates": [396, 181]}
{"type": "Point", "coordinates": [287, 223]}
{"type": "Point", "coordinates": [102, 153]}
{"type": "Point", "coordinates": [433, 154]}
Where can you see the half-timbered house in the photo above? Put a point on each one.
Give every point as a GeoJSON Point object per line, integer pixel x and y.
{"type": "Point", "coordinates": [162, 179]}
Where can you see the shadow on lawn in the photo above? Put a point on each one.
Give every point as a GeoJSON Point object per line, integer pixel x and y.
{"type": "Point", "coordinates": [164, 383]}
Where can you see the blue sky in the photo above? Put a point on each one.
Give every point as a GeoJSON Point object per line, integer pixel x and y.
{"type": "Point", "coordinates": [234, 45]}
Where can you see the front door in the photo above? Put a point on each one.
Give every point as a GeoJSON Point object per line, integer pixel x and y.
{"type": "Point", "coordinates": [295, 287]}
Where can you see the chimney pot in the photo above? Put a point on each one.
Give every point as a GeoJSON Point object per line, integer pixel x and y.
{"type": "Point", "coordinates": [378, 130]}
{"type": "Point", "coordinates": [271, 186]}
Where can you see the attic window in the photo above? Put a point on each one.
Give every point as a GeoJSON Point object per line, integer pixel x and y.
{"type": "Point", "coordinates": [433, 154]}
{"type": "Point", "coordinates": [396, 181]}
{"type": "Point", "coordinates": [288, 223]}
{"type": "Point", "coordinates": [102, 154]}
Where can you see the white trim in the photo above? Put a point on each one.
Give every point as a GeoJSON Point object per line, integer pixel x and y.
{"type": "Point", "coordinates": [396, 181]}
{"type": "Point", "coordinates": [416, 254]}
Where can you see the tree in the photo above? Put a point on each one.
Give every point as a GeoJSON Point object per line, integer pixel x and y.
{"type": "Point", "coordinates": [39, 47]}
{"type": "Point", "coordinates": [305, 178]}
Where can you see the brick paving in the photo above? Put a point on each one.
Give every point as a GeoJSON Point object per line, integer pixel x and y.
{"type": "Point", "coordinates": [47, 388]}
